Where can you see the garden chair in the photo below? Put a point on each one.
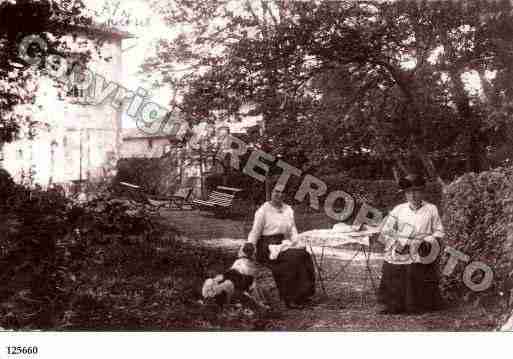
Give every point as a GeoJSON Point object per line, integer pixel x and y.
{"type": "Point", "coordinates": [219, 201]}
{"type": "Point", "coordinates": [179, 199]}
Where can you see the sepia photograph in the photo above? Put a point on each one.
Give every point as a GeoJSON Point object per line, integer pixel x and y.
{"type": "Point", "coordinates": [255, 165]}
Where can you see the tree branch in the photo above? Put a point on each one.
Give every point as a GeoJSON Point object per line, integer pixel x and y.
{"type": "Point", "coordinates": [267, 8]}
{"type": "Point", "coordinates": [255, 18]}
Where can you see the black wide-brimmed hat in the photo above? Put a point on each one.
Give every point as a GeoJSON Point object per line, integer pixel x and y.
{"type": "Point", "coordinates": [412, 182]}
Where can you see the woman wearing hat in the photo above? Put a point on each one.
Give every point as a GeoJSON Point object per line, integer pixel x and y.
{"type": "Point", "coordinates": [412, 231]}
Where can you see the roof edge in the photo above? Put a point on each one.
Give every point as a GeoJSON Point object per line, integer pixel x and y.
{"type": "Point", "coordinates": [103, 29]}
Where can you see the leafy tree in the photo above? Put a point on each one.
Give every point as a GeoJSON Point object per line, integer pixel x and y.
{"type": "Point", "coordinates": [338, 82]}
{"type": "Point", "coordinates": [52, 20]}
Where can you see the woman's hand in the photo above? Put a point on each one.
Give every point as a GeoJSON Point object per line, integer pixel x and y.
{"type": "Point", "coordinates": [429, 239]}
{"type": "Point", "coordinates": [296, 242]}
{"type": "Point", "coordinates": [403, 241]}
{"type": "Point", "coordinates": [402, 245]}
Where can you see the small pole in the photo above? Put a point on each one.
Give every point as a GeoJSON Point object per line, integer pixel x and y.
{"type": "Point", "coordinates": [80, 171]}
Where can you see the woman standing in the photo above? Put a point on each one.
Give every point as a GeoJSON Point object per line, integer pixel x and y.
{"type": "Point", "coordinates": [292, 268]}
{"type": "Point", "coordinates": [409, 282]}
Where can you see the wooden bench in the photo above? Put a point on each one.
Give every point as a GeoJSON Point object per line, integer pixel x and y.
{"type": "Point", "coordinates": [219, 201]}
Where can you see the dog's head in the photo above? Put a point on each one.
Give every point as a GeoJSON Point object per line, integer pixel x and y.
{"type": "Point", "coordinates": [248, 250]}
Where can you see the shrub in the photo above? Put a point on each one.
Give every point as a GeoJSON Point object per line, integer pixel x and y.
{"type": "Point", "coordinates": [478, 210]}
{"type": "Point", "coordinates": [6, 185]}
{"type": "Point", "coordinates": [157, 176]}
{"type": "Point", "coordinates": [43, 263]}
{"type": "Point", "coordinates": [381, 194]}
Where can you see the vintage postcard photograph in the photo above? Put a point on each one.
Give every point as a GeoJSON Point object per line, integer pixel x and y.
{"type": "Point", "coordinates": [255, 165]}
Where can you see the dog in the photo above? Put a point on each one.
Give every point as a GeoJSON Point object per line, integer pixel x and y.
{"type": "Point", "coordinates": [239, 280]}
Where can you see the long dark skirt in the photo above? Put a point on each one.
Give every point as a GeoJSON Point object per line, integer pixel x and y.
{"type": "Point", "coordinates": [293, 270]}
{"type": "Point", "coordinates": [410, 288]}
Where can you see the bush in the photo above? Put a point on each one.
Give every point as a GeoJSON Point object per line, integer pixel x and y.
{"type": "Point", "coordinates": [157, 176]}
{"type": "Point", "coordinates": [43, 262]}
{"type": "Point", "coordinates": [6, 185]}
{"type": "Point", "coordinates": [478, 209]}
{"type": "Point", "coordinates": [381, 194]}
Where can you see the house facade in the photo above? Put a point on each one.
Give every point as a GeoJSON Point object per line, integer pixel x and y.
{"type": "Point", "coordinates": [138, 144]}
{"type": "Point", "coordinates": [76, 138]}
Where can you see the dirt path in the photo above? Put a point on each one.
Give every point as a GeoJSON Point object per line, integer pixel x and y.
{"type": "Point", "coordinates": [347, 299]}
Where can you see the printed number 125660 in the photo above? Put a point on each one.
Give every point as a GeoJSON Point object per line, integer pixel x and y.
{"type": "Point", "coordinates": [20, 350]}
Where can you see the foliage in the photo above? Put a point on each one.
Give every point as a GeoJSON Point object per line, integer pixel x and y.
{"type": "Point", "coordinates": [337, 82]}
{"type": "Point", "coordinates": [156, 175]}
{"type": "Point", "coordinates": [478, 210]}
{"type": "Point", "coordinates": [6, 185]}
{"type": "Point", "coordinates": [106, 215]}
{"type": "Point", "coordinates": [381, 194]}
{"type": "Point", "coordinates": [55, 279]}
{"type": "Point", "coordinates": [52, 20]}
{"type": "Point", "coordinates": [30, 256]}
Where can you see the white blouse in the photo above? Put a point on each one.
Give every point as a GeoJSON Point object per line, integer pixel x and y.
{"type": "Point", "coordinates": [269, 221]}
{"type": "Point", "coordinates": [404, 222]}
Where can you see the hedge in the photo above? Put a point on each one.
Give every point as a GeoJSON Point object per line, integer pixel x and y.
{"type": "Point", "coordinates": [6, 185]}
{"type": "Point", "coordinates": [381, 194]}
{"type": "Point", "coordinates": [478, 212]}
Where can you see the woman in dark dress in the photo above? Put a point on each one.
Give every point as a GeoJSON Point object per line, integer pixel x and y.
{"type": "Point", "coordinates": [412, 230]}
{"type": "Point", "coordinates": [292, 267]}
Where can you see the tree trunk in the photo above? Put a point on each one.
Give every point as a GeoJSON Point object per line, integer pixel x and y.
{"type": "Point", "coordinates": [430, 167]}
{"type": "Point", "coordinates": [202, 188]}
{"type": "Point", "coordinates": [401, 166]}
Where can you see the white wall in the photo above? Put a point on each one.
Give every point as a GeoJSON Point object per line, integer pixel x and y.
{"type": "Point", "coordinates": [140, 147]}
{"type": "Point", "coordinates": [86, 138]}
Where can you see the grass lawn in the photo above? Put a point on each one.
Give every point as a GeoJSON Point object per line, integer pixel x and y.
{"type": "Point", "coordinates": [156, 286]}
{"type": "Point", "coordinates": [348, 301]}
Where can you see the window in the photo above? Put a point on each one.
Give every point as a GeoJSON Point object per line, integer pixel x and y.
{"type": "Point", "coordinates": [150, 143]}
{"type": "Point", "coordinates": [77, 75]}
